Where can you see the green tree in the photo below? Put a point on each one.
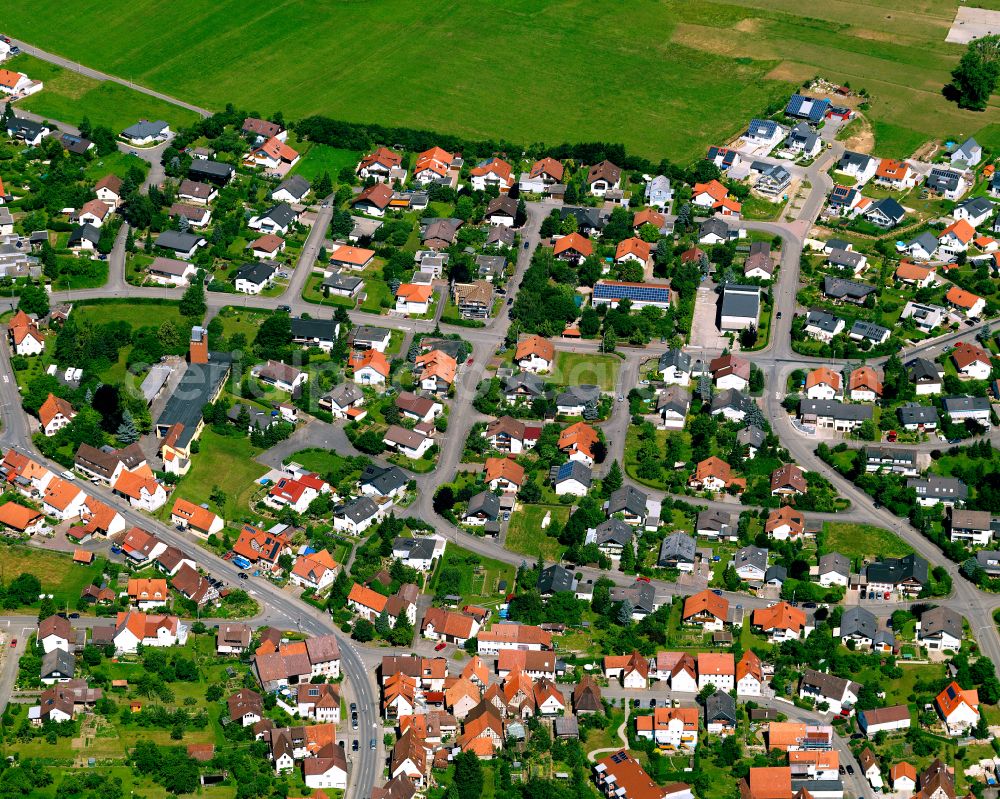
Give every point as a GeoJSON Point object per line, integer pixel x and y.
{"type": "Point", "coordinates": [975, 78]}
{"type": "Point", "coordinates": [613, 480]}
{"type": "Point", "coordinates": [382, 625]}
{"type": "Point", "coordinates": [192, 304]}
{"type": "Point", "coordinates": [34, 300]}
{"type": "Point", "coordinates": [363, 631]}
{"type": "Point", "coordinates": [468, 778]}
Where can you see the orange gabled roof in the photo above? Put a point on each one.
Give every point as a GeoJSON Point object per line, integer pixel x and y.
{"type": "Point", "coordinates": [961, 230]}
{"type": "Point", "coordinates": [865, 377]}
{"type": "Point", "coordinates": [382, 156]}
{"type": "Point", "coordinates": [770, 782]}
{"type": "Point", "coordinates": [198, 517]}
{"type": "Point", "coordinates": [365, 597]}
{"type": "Point", "coordinates": [716, 663]}
{"type": "Point", "coordinates": [634, 246]}
{"type": "Point", "coordinates": [727, 204]}
{"type": "Point", "coordinates": [17, 516]}
{"type": "Point", "coordinates": [750, 665]}
{"type": "Point", "coordinates": [535, 345]}
{"type": "Point", "coordinates": [718, 468]}
{"type": "Point", "coordinates": [576, 242]}
{"type": "Point", "coordinates": [378, 194]}
{"type": "Point", "coordinates": [907, 270]}
{"type": "Point", "coordinates": [438, 364]}
{"type": "Point", "coordinates": [580, 437]}
{"type": "Point", "coordinates": [314, 565]}
{"type": "Point", "coordinates": [22, 332]}
{"type": "Point", "coordinates": [952, 697]}
{"type": "Point", "coordinates": [507, 468]}
{"type": "Point", "coordinates": [60, 493]}
{"type": "Point", "coordinates": [370, 358]}
{"type": "Point", "coordinates": [891, 169]}
{"type": "Point", "coordinates": [713, 189]}
{"type": "Point", "coordinates": [277, 150]}
{"type": "Point", "coordinates": [96, 207]}
{"type": "Point", "coordinates": [821, 376]}
{"type": "Point", "coordinates": [779, 617]}
{"type": "Point", "coordinates": [497, 166]}
{"type": "Point", "coordinates": [132, 484]}
{"type": "Point", "coordinates": [9, 79]}
{"type": "Point", "coordinates": [547, 166]}
{"type": "Point", "coordinates": [52, 407]}
{"type": "Point", "coordinates": [706, 602]}
{"type": "Point", "coordinates": [355, 256]}
{"type": "Point", "coordinates": [414, 292]}
{"type": "Point", "coordinates": [901, 770]}
{"type": "Point", "coordinates": [434, 159]}
{"type": "Point", "coordinates": [961, 297]}
{"type": "Point", "coordinates": [147, 589]}
{"type": "Point", "coordinates": [267, 243]}
{"type": "Point", "coordinates": [785, 515]}
{"type": "Point", "coordinates": [647, 216]}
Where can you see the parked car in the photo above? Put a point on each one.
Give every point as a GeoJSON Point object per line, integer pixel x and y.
{"type": "Point", "coordinates": [13, 642]}
{"type": "Point", "coordinates": [441, 645]}
{"type": "Point", "coordinates": [354, 746]}
{"type": "Point", "coordinates": [371, 744]}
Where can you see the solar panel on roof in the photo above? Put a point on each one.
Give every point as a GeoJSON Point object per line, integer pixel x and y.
{"type": "Point", "coordinates": [639, 293]}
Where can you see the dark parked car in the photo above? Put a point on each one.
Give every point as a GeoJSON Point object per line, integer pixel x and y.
{"type": "Point", "coordinates": [354, 746]}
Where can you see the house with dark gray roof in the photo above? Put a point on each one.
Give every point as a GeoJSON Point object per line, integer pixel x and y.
{"type": "Point", "coordinates": [383, 481]}
{"type": "Point", "coordinates": [922, 247]}
{"type": "Point", "coordinates": [628, 501]}
{"type": "Point", "coordinates": [839, 288]}
{"type": "Point", "coordinates": [948, 491]}
{"type": "Point", "coordinates": [834, 414]}
{"type": "Point", "coordinates": [254, 278]}
{"type": "Point", "coordinates": [611, 537]}
{"type": "Point", "coordinates": [674, 366]}
{"type": "Point", "coordinates": [949, 183]}
{"type": "Point", "coordinates": [731, 403]}
{"type": "Point", "coordinates": [642, 597]}
{"type": "Point", "coordinates": [322, 333]}
{"type": "Point", "coordinates": [961, 409]}
{"type": "Point", "coordinates": [939, 629]}
{"type": "Point", "coordinates": [917, 417]}
{"type": "Point", "coordinates": [291, 190]}
{"type": "Point", "coordinates": [847, 259]}
{"type": "Point", "coordinates": [834, 569]}
{"type": "Point", "coordinates": [885, 213]}
{"type": "Point", "coordinates": [589, 221]}
{"type": "Point", "coordinates": [555, 579]}
{"type": "Point", "coordinates": [926, 375]}
{"type": "Point", "coordinates": [183, 245]}
{"type": "Point", "coordinates": [524, 385]}
{"type": "Point", "coordinates": [739, 307]}
{"type": "Point", "coordinates": [717, 524]}
{"type": "Point", "coordinates": [276, 219]}
{"type": "Point", "coordinates": [572, 477]}
{"type": "Point", "coordinates": [907, 575]}
{"type": "Point", "coordinates": [823, 326]}
{"type": "Point", "coordinates": [483, 507]}
{"type": "Point", "coordinates": [720, 713]}
{"type": "Point", "coordinates": [211, 171]}
{"type": "Point", "coordinates": [146, 132]}
{"type": "Point", "coordinates": [751, 437]}
{"type": "Point", "coordinates": [859, 625]}
{"type": "Point", "coordinates": [341, 285]}
{"type": "Point", "coordinates": [677, 552]}
{"type": "Point", "coordinates": [574, 399]}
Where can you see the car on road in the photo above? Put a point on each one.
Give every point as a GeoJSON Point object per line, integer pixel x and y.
{"type": "Point", "coordinates": [850, 769]}
{"type": "Point", "coordinates": [354, 707]}
{"type": "Point", "coordinates": [510, 300]}
{"type": "Point", "coordinates": [441, 645]}
{"type": "Point", "coordinates": [244, 576]}
{"type": "Point", "coordinates": [354, 746]}
{"type": "Point", "coordinates": [13, 642]}
{"type": "Point", "coordinates": [717, 592]}
{"type": "Point", "coordinates": [74, 615]}
{"type": "Point", "coordinates": [778, 314]}
{"type": "Point", "coordinates": [5, 38]}
{"type": "Point", "coordinates": [470, 360]}
{"type": "Point", "coordinates": [68, 475]}
{"type": "Point", "coordinates": [652, 702]}
{"type": "Point", "coordinates": [15, 50]}
{"type": "Point", "coordinates": [843, 770]}
{"type": "Point", "coordinates": [621, 398]}
{"type": "Point", "coordinates": [371, 744]}
{"type": "Point", "coordinates": [526, 244]}
{"type": "Point", "coordinates": [284, 308]}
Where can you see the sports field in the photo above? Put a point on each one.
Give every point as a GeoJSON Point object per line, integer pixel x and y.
{"type": "Point", "coordinates": [665, 77]}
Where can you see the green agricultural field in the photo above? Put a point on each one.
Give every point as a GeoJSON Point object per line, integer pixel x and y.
{"type": "Point", "coordinates": [863, 541]}
{"type": "Point", "coordinates": [69, 97]}
{"type": "Point", "coordinates": [665, 78]}
{"type": "Point", "coordinates": [579, 368]}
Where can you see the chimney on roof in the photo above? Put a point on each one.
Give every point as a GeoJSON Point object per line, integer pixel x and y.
{"type": "Point", "coordinates": [199, 345]}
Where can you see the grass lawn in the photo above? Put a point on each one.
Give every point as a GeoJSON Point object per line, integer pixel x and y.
{"type": "Point", "coordinates": [325, 462]}
{"type": "Point", "coordinates": [525, 533]}
{"type": "Point", "coordinates": [58, 574]}
{"type": "Point", "coordinates": [69, 96]}
{"type": "Point", "coordinates": [319, 158]}
{"type": "Point", "coordinates": [136, 313]}
{"type": "Point", "coordinates": [577, 368]}
{"type": "Point", "coordinates": [226, 462]}
{"type": "Point", "coordinates": [242, 320]}
{"type": "Point", "coordinates": [864, 541]}
{"type": "Point", "coordinates": [116, 163]}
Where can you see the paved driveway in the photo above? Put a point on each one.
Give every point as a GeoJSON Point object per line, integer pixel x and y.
{"type": "Point", "coordinates": [704, 332]}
